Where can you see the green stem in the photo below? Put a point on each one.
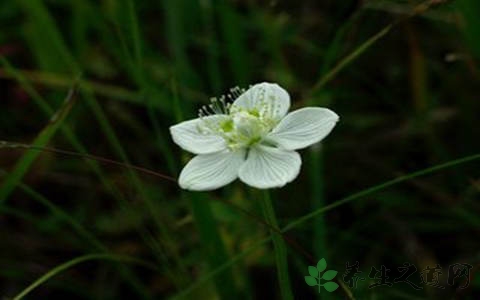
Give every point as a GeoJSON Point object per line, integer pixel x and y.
{"type": "Point", "coordinates": [279, 246]}
{"type": "Point", "coordinates": [318, 200]}
{"type": "Point", "coordinates": [214, 246]}
{"type": "Point", "coordinates": [71, 263]}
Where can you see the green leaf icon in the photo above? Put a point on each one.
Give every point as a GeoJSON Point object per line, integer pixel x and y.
{"type": "Point", "coordinates": [311, 281]}
{"type": "Point", "coordinates": [330, 286]}
{"type": "Point", "coordinates": [321, 265]}
{"type": "Point", "coordinates": [313, 271]}
{"type": "Point", "coordinates": [329, 275]}
{"type": "Point", "coordinates": [320, 280]}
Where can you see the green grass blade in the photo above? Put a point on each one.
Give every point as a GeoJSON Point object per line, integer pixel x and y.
{"type": "Point", "coordinates": [152, 96]}
{"type": "Point", "coordinates": [211, 47]}
{"type": "Point", "coordinates": [318, 200]}
{"type": "Point", "coordinates": [47, 110]}
{"type": "Point", "coordinates": [377, 188]}
{"type": "Point", "coordinates": [281, 255]}
{"type": "Point", "coordinates": [350, 58]}
{"type": "Point", "coordinates": [135, 33]}
{"type": "Point", "coordinates": [234, 40]}
{"type": "Point", "coordinates": [62, 215]}
{"type": "Point", "coordinates": [42, 18]}
{"type": "Point", "coordinates": [471, 25]}
{"type": "Point", "coordinates": [214, 245]}
{"type": "Point", "coordinates": [71, 263]}
{"type": "Point", "coordinates": [18, 213]}
{"type": "Point", "coordinates": [176, 16]}
{"type": "Point", "coordinates": [65, 82]}
{"type": "Point", "coordinates": [380, 187]}
{"type": "Point", "coordinates": [211, 275]}
{"type": "Point", "coordinates": [342, 64]}
{"type": "Point", "coordinates": [128, 33]}
{"type": "Point", "coordinates": [25, 162]}
{"type": "Point", "coordinates": [66, 130]}
{"type": "Point", "coordinates": [42, 21]}
{"type": "Point", "coordinates": [153, 206]}
{"type": "Point", "coordinates": [85, 234]}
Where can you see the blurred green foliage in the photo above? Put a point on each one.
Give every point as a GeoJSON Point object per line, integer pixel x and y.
{"type": "Point", "coordinates": [403, 78]}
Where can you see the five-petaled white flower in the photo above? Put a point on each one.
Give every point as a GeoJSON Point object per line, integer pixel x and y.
{"type": "Point", "coordinates": [252, 138]}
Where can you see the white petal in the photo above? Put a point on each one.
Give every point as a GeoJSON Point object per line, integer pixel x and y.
{"type": "Point", "coordinates": [268, 99]}
{"type": "Point", "coordinates": [268, 167]}
{"type": "Point", "coordinates": [303, 127]}
{"type": "Point", "coordinates": [207, 172]}
{"type": "Point", "coordinates": [195, 138]}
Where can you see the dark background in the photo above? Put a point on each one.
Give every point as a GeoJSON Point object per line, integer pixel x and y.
{"type": "Point", "coordinates": [407, 100]}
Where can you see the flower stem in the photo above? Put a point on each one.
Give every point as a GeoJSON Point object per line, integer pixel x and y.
{"type": "Point", "coordinates": [279, 246]}
{"type": "Point", "coordinates": [214, 246]}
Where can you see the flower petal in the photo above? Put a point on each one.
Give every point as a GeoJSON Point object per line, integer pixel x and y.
{"type": "Point", "coordinates": [207, 172]}
{"type": "Point", "coordinates": [268, 99]}
{"type": "Point", "coordinates": [197, 138]}
{"type": "Point", "coordinates": [268, 167]}
{"type": "Point", "coordinates": [303, 127]}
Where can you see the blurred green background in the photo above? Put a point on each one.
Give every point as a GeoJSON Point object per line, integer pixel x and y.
{"type": "Point", "coordinates": [403, 76]}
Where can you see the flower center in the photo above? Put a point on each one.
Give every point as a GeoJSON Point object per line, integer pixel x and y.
{"type": "Point", "coordinates": [248, 129]}
{"type": "Point", "coordinates": [240, 127]}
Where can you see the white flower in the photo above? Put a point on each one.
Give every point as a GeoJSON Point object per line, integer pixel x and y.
{"type": "Point", "coordinates": [252, 138]}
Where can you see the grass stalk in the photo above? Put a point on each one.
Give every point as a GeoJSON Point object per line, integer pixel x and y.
{"type": "Point", "coordinates": [281, 255]}
{"type": "Point", "coordinates": [42, 139]}
{"type": "Point", "coordinates": [356, 196]}
{"type": "Point", "coordinates": [318, 200]}
{"type": "Point", "coordinates": [214, 246]}
{"type": "Point", "coordinates": [71, 263]}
